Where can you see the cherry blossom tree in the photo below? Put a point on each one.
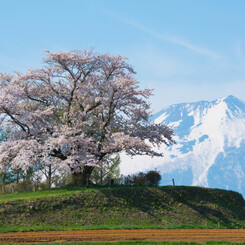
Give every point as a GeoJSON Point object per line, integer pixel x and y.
{"type": "Point", "coordinates": [80, 108]}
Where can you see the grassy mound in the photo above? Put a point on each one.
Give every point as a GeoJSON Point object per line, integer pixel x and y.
{"type": "Point", "coordinates": [122, 207]}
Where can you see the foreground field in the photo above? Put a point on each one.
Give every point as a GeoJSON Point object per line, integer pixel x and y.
{"type": "Point", "coordinates": [142, 243]}
{"type": "Point", "coordinates": [122, 207]}
{"type": "Point", "coordinates": [193, 235]}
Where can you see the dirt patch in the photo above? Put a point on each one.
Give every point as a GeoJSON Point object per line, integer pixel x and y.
{"type": "Point", "coordinates": [196, 235]}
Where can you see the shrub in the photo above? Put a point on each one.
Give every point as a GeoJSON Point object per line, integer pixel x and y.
{"type": "Point", "coordinates": [153, 178]}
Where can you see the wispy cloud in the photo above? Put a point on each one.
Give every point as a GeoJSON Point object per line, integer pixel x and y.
{"type": "Point", "coordinates": [188, 45]}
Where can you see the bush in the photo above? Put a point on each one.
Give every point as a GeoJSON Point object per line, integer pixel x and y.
{"type": "Point", "coordinates": [42, 186]}
{"type": "Point", "coordinates": [25, 185]}
{"type": "Point", "coordinates": [153, 178]}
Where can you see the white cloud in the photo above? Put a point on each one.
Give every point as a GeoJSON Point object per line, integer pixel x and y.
{"type": "Point", "coordinates": [188, 45]}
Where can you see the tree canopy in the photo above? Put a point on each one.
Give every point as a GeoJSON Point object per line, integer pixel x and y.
{"type": "Point", "coordinates": [79, 108]}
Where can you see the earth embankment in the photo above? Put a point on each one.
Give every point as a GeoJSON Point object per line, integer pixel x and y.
{"type": "Point", "coordinates": [124, 207]}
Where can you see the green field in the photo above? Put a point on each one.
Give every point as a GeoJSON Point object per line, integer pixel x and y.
{"type": "Point", "coordinates": [121, 207]}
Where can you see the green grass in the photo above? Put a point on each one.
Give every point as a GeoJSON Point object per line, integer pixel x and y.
{"type": "Point", "coordinates": [57, 191]}
{"type": "Point", "coordinates": [42, 193]}
{"type": "Point", "coordinates": [121, 207]}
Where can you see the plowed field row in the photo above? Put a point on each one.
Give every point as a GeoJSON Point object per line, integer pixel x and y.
{"type": "Point", "coordinates": [196, 235]}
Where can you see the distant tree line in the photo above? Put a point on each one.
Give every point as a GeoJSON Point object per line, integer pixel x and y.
{"type": "Point", "coordinates": [40, 177]}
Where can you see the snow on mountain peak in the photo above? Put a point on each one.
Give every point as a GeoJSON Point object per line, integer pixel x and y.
{"type": "Point", "coordinates": [210, 146]}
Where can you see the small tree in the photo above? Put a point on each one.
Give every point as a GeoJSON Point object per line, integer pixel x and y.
{"type": "Point", "coordinates": [128, 180]}
{"type": "Point", "coordinates": [53, 172]}
{"type": "Point", "coordinates": [7, 177]}
{"type": "Point", "coordinates": [106, 171]}
{"type": "Point", "coordinates": [63, 178]}
{"type": "Point", "coordinates": [153, 178]}
{"type": "Point", "coordinates": [139, 179]}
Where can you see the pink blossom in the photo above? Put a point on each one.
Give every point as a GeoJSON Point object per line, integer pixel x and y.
{"type": "Point", "coordinates": [78, 109]}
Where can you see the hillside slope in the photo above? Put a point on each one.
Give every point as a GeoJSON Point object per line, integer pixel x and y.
{"type": "Point", "coordinates": [126, 207]}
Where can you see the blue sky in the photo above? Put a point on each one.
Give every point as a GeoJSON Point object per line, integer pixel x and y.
{"type": "Point", "coordinates": [187, 50]}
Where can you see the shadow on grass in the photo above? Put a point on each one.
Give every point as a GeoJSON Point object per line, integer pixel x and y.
{"type": "Point", "coordinates": [210, 206]}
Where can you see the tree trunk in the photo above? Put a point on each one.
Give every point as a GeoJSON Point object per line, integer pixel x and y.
{"type": "Point", "coordinates": [83, 177]}
{"type": "Point", "coordinates": [49, 180]}
{"type": "Point", "coordinates": [101, 175]}
{"type": "Point", "coordinates": [77, 179]}
{"type": "Point", "coordinates": [17, 176]}
{"type": "Point", "coordinates": [4, 178]}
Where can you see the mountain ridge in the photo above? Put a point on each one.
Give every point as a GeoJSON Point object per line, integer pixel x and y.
{"type": "Point", "coordinates": [210, 144]}
{"type": "Point", "coordinates": [207, 131]}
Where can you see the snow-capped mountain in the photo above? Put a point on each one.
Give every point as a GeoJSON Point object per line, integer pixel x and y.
{"type": "Point", "coordinates": [210, 149]}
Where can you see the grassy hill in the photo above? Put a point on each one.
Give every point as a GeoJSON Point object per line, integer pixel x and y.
{"type": "Point", "coordinates": [122, 207]}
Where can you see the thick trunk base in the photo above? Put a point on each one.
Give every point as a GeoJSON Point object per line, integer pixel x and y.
{"type": "Point", "coordinates": [82, 178]}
